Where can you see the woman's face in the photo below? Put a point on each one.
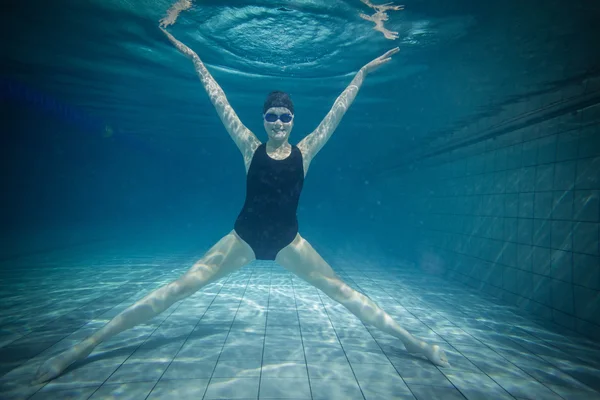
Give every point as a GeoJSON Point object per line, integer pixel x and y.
{"type": "Point", "coordinates": [278, 122]}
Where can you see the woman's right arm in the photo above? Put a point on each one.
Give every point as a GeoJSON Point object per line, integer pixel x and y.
{"type": "Point", "coordinates": [245, 140]}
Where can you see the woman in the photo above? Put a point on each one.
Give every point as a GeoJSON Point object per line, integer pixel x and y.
{"type": "Point", "coordinates": [266, 228]}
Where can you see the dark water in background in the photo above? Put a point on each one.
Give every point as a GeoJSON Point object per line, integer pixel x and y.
{"type": "Point", "coordinates": [107, 132]}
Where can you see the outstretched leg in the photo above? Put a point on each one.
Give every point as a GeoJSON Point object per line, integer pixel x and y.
{"type": "Point", "coordinates": [227, 255]}
{"type": "Point", "coordinates": [300, 258]}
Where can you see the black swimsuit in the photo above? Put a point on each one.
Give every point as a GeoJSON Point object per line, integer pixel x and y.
{"type": "Point", "coordinates": [268, 220]}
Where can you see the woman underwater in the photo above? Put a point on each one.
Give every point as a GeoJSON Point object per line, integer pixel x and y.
{"type": "Point", "coordinates": [266, 228]}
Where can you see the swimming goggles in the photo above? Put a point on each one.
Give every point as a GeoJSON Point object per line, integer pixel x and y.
{"type": "Point", "coordinates": [285, 118]}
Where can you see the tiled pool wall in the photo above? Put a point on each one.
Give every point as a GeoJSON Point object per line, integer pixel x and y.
{"type": "Point", "coordinates": [517, 215]}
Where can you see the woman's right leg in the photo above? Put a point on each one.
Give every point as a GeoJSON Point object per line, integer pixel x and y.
{"type": "Point", "coordinates": [227, 255]}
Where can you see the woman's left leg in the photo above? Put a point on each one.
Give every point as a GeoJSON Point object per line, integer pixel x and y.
{"type": "Point", "coordinates": [300, 258]}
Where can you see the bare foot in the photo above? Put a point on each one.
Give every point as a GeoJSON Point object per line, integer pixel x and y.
{"type": "Point", "coordinates": [434, 353]}
{"type": "Point", "coordinates": [53, 367]}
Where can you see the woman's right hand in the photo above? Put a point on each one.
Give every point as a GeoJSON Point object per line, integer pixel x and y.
{"type": "Point", "coordinates": [380, 60]}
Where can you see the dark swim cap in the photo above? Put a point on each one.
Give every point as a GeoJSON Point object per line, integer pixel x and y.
{"type": "Point", "coordinates": [278, 99]}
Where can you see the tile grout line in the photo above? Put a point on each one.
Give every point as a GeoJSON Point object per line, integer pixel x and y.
{"type": "Point", "coordinates": [338, 338]}
{"type": "Point", "coordinates": [262, 360]}
{"type": "Point", "coordinates": [229, 331]}
{"type": "Point", "coordinates": [301, 336]}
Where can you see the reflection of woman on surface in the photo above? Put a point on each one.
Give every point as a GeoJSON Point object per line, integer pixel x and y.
{"type": "Point", "coordinates": [266, 228]}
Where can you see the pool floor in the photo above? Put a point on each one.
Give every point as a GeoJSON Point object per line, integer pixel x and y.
{"type": "Point", "coordinates": [262, 333]}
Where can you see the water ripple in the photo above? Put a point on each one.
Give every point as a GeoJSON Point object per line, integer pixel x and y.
{"type": "Point", "coordinates": [275, 40]}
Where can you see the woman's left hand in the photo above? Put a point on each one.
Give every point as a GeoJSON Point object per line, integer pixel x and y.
{"type": "Point", "coordinates": [380, 60]}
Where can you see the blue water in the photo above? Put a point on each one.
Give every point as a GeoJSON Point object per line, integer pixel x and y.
{"type": "Point", "coordinates": [112, 151]}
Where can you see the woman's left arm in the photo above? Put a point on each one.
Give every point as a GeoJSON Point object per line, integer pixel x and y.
{"type": "Point", "coordinates": [314, 142]}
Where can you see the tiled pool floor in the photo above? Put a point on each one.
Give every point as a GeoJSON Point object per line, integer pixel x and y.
{"type": "Point", "coordinates": [263, 333]}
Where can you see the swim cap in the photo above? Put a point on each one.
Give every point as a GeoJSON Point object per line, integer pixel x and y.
{"type": "Point", "coordinates": [278, 99]}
